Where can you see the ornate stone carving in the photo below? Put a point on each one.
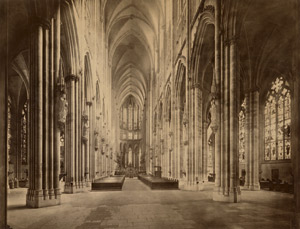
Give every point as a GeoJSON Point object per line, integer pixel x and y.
{"type": "Point", "coordinates": [214, 122]}
{"type": "Point", "coordinates": [85, 127]}
{"type": "Point", "coordinates": [71, 77]}
{"type": "Point", "coordinates": [96, 140]}
{"type": "Point", "coordinates": [61, 107]}
{"type": "Point", "coordinates": [185, 119]}
{"type": "Point", "coordinates": [210, 8]}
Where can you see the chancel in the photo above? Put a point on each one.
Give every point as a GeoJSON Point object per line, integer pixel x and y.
{"type": "Point", "coordinates": [150, 114]}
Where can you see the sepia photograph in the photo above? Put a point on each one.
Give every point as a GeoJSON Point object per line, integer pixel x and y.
{"type": "Point", "coordinates": [150, 114]}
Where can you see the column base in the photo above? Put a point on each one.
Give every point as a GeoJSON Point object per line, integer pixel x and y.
{"type": "Point", "coordinates": [181, 184]}
{"type": "Point", "coordinates": [88, 183]}
{"type": "Point", "coordinates": [35, 199]}
{"type": "Point", "coordinates": [231, 198]}
{"type": "Point", "coordinates": [295, 222]}
{"type": "Point", "coordinates": [71, 189]}
{"type": "Point", "coordinates": [51, 193]}
{"type": "Point", "coordinates": [254, 187]}
{"type": "Point", "coordinates": [16, 183]}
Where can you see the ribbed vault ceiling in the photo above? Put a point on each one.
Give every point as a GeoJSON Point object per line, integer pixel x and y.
{"type": "Point", "coordinates": [131, 34]}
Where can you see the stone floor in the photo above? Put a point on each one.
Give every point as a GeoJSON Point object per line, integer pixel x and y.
{"type": "Point", "coordinates": [136, 206]}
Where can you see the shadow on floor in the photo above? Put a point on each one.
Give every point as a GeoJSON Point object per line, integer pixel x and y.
{"type": "Point", "coordinates": [16, 207]}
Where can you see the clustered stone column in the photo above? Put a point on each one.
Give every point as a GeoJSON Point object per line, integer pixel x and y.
{"type": "Point", "coordinates": [87, 149]}
{"type": "Point", "coordinates": [295, 143]}
{"type": "Point", "coordinates": [85, 143]}
{"type": "Point", "coordinates": [252, 140]}
{"type": "Point", "coordinates": [229, 186]}
{"type": "Point", "coordinates": [205, 151]}
{"type": "Point", "coordinates": [227, 83]}
{"type": "Point", "coordinates": [74, 168]}
{"type": "Point", "coordinates": [44, 150]}
{"type": "Point", "coordinates": [198, 135]}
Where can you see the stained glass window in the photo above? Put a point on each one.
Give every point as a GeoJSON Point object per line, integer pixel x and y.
{"type": "Point", "coordinates": [24, 134]}
{"type": "Point", "coordinates": [125, 117]}
{"type": "Point", "coordinates": [277, 121]}
{"type": "Point", "coordinates": [242, 116]}
{"type": "Point", "coordinates": [130, 115]}
{"type": "Point", "coordinates": [135, 117]}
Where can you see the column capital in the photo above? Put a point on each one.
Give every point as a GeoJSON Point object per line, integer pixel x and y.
{"type": "Point", "coordinates": [84, 117]}
{"type": "Point", "coordinates": [196, 85]}
{"type": "Point", "coordinates": [231, 41]}
{"type": "Point", "coordinates": [84, 139]}
{"type": "Point", "coordinates": [210, 8]}
{"type": "Point", "coordinates": [71, 77]}
{"type": "Point", "coordinates": [39, 21]}
{"type": "Point", "coordinates": [252, 89]}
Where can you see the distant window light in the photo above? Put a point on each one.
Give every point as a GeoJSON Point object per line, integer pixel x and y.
{"type": "Point", "coordinates": [278, 121]}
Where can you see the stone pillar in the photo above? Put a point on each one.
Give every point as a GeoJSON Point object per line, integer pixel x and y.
{"type": "Point", "coordinates": [59, 124]}
{"type": "Point", "coordinates": [45, 111]}
{"type": "Point", "coordinates": [217, 151]}
{"type": "Point", "coordinates": [87, 150]}
{"type": "Point", "coordinates": [233, 123]}
{"type": "Point", "coordinates": [178, 144]}
{"type": "Point", "coordinates": [151, 160]}
{"type": "Point", "coordinates": [219, 89]}
{"type": "Point", "coordinates": [41, 118]}
{"type": "Point", "coordinates": [84, 146]}
{"type": "Point", "coordinates": [295, 125]}
{"type": "Point", "coordinates": [77, 141]}
{"type": "Point", "coordinates": [204, 152]}
{"type": "Point", "coordinates": [106, 159]}
{"type": "Point", "coordinates": [213, 155]}
{"type": "Point", "coordinates": [198, 135]}
{"type": "Point", "coordinates": [3, 114]}
{"type": "Point", "coordinates": [252, 140]}
{"type": "Point", "coordinates": [295, 222]}
{"type": "Point", "coordinates": [52, 103]}
{"type": "Point", "coordinates": [70, 138]}
{"type": "Point", "coordinates": [228, 190]}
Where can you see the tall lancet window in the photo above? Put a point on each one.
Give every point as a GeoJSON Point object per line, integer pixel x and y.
{"type": "Point", "coordinates": [242, 116]}
{"type": "Point", "coordinates": [138, 117]}
{"type": "Point", "coordinates": [278, 121]}
{"type": "Point", "coordinates": [24, 134]}
{"type": "Point", "coordinates": [121, 117]}
{"type": "Point", "coordinates": [130, 116]}
{"type": "Point", "coordinates": [135, 116]}
{"type": "Point", "coordinates": [125, 117]}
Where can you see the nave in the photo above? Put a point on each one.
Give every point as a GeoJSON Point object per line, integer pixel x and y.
{"type": "Point", "coordinates": [136, 206]}
{"type": "Point", "coordinates": [201, 94]}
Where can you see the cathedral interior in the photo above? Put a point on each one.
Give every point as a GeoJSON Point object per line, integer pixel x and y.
{"type": "Point", "coordinates": [150, 114]}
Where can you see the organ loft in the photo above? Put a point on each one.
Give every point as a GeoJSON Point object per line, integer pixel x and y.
{"type": "Point", "coordinates": [150, 114]}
